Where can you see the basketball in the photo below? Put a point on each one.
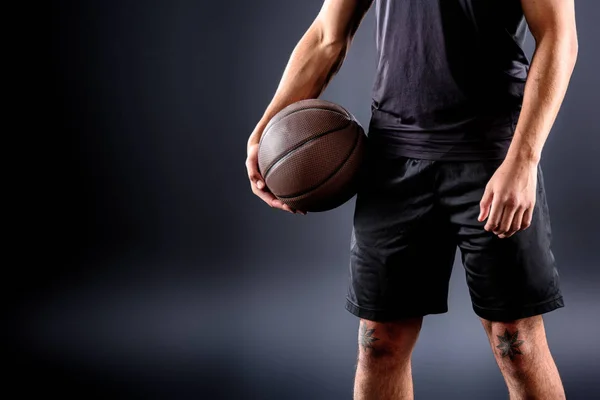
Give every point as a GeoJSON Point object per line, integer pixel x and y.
{"type": "Point", "coordinates": [310, 155]}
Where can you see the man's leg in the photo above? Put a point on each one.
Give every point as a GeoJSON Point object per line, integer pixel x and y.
{"type": "Point", "coordinates": [513, 280]}
{"type": "Point", "coordinates": [522, 353]}
{"type": "Point", "coordinates": [383, 369]}
{"type": "Point", "coordinates": [402, 251]}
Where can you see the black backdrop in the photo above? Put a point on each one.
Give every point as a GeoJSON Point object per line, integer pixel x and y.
{"type": "Point", "coordinates": [149, 269]}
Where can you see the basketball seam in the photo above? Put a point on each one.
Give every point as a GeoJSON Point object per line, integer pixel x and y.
{"type": "Point", "coordinates": [338, 169]}
{"type": "Point", "coordinates": [297, 146]}
{"type": "Point", "coordinates": [270, 125]}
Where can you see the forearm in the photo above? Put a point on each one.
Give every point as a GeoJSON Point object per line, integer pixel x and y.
{"type": "Point", "coordinates": [312, 64]}
{"type": "Point", "coordinates": [549, 75]}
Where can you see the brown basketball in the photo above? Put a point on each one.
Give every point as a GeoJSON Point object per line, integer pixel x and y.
{"type": "Point", "coordinates": [310, 155]}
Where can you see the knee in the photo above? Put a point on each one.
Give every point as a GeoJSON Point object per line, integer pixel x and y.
{"type": "Point", "coordinates": [517, 343]}
{"type": "Point", "coordinates": [387, 340]}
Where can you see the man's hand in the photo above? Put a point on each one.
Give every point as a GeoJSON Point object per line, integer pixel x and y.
{"type": "Point", "coordinates": [509, 198]}
{"type": "Point", "coordinates": [315, 60]}
{"type": "Point", "coordinates": [256, 180]}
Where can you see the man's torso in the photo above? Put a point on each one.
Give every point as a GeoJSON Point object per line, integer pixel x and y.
{"type": "Point", "coordinates": [450, 77]}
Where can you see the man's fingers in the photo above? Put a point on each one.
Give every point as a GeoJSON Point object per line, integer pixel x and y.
{"type": "Point", "coordinates": [508, 215]}
{"type": "Point", "coordinates": [258, 183]}
{"type": "Point", "coordinates": [495, 216]}
{"type": "Point", "coordinates": [257, 180]}
{"type": "Point", "coordinates": [527, 216]}
{"type": "Point", "coordinates": [516, 222]}
{"type": "Point", "coordinates": [267, 197]}
{"type": "Point", "coordinates": [259, 187]}
{"type": "Point", "coordinates": [270, 199]}
{"type": "Point", "coordinates": [285, 207]}
{"type": "Point", "coordinates": [484, 205]}
{"type": "Point", "coordinates": [253, 173]}
{"type": "Point", "coordinates": [290, 209]}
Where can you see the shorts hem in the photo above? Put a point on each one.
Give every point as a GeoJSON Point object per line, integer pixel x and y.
{"type": "Point", "coordinates": [503, 315]}
{"type": "Point", "coordinates": [383, 315]}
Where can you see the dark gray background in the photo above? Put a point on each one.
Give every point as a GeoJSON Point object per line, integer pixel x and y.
{"type": "Point", "coordinates": [164, 277]}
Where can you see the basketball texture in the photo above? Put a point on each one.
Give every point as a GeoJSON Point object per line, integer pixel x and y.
{"type": "Point", "coordinates": [310, 155]}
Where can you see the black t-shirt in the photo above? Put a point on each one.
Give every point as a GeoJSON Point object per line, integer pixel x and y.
{"type": "Point", "coordinates": [450, 77]}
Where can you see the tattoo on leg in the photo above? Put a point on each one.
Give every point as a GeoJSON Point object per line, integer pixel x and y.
{"type": "Point", "coordinates": [366, 336]}
{"type": "Point", "coordinates": [509, 344]}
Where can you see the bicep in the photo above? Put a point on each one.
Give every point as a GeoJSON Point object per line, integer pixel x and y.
{"type": "Point", "coordinates": [550, 17]}
{"type": "Point", "coordinates": [338, 20]}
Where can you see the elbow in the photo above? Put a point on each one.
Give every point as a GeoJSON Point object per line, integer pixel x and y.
{"type": "Point", "coordinates": [330, 43]}
{"type": "Point", "coordinates": [573, 48]}
{"type": "Point", "coordinates": [570, 45]}
{"type": "Point", "coordinates": [564, 45]}
{"type": "Point", "coordinates": [571, 51]}
{"type": "Point", "coordinates": [334, 50]}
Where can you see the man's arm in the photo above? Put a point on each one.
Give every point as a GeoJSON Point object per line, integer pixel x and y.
{"type": "Point", "coordinates": [552, 23]}
{"type": "Point", "coordinates": [313, 62]}
{"type": "Point", "coordinates": [510, 195]}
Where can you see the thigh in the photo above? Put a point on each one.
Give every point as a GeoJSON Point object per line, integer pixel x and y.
{"type": "Point", "coordinates": [401, 247]}
{"type": "Point", "coordinates": [510, 278]}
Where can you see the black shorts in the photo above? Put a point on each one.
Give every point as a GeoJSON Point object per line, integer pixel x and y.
{"type": "Point", "coordinates": [410, 217]}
